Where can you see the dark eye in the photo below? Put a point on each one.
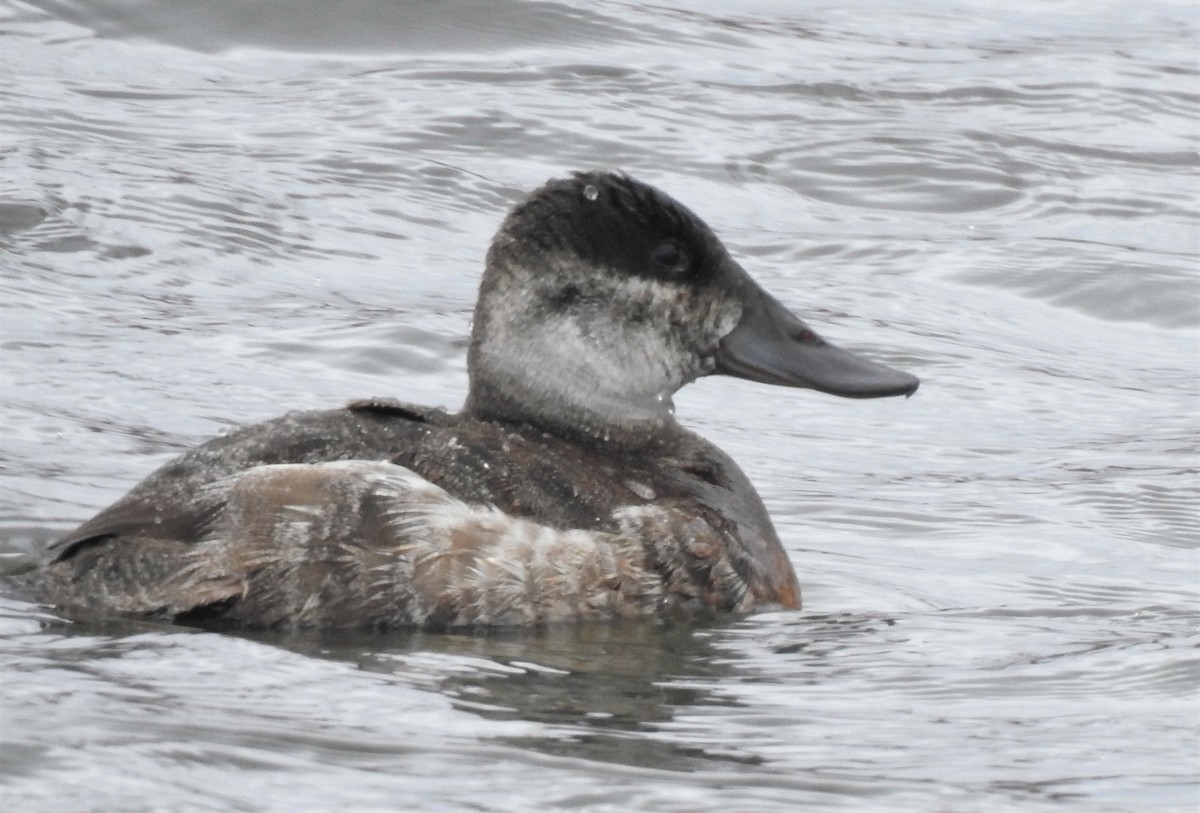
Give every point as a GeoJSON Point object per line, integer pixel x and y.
{"type": "Point", "coordinates": [669, 254]}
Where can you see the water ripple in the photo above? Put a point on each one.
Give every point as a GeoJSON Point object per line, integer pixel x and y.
{"type": "Point", "coordinates": [211, 213]}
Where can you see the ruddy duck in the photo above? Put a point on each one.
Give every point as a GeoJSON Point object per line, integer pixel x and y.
{"type": "Point", "coordinates": [563, 491]}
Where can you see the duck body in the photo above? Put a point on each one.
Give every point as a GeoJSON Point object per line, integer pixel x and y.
{"type": "Point", "coordinates": [564, 490]}
{"type": "Point", "coordinates": [465, 523]}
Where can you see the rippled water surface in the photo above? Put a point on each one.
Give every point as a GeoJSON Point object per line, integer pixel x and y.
{"type": "Point", "coordinates": [212, 212]}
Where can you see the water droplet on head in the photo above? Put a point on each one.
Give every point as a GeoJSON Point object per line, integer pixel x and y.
{"type": "Point", "coordinates": [591, 192]}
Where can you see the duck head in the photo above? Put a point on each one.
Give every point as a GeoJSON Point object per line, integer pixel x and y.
{"type": "Point", "coordinates": [602, 296]}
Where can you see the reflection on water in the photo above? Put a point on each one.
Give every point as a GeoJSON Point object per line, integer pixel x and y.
{"type": "Point", "coordinates": [592, 689]}
{"type": "Point", "coordinates": [211, 213]}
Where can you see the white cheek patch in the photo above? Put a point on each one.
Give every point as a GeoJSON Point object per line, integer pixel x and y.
{"type": "Point", "coordinates": [611, 354]}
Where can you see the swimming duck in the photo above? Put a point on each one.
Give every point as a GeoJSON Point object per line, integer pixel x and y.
{"type": "Point", "coordinates": [564, 490]}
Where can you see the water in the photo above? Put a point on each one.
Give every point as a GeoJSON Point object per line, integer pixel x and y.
{"type": "Point", "coordinates": [211, 213]}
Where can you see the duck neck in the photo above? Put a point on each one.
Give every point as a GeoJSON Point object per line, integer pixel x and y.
{"type": "Point", "coordinates": [552, 378]}
{"type": "Point", "coordinates": [573, 403]}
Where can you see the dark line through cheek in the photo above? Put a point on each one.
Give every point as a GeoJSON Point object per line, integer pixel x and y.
{"type": "Point", "coordinates": [566, 297]}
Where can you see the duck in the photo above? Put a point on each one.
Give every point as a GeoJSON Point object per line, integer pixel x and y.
{"type": "Point", "coordinates": [564, 490]}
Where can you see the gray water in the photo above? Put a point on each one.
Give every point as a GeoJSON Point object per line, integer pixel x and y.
{"type": "Point", "coordinates": [213, 212]}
